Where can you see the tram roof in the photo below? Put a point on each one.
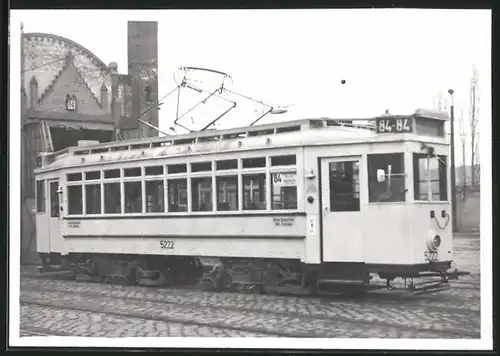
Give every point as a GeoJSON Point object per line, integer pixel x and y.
{"type": "Point", "coordinates": [267, 136]}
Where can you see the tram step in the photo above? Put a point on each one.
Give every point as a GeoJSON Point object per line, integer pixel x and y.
{"type": "Point", "coordinates": [429, 287]}
{"type": "Point", "coordinates": [342, 281]}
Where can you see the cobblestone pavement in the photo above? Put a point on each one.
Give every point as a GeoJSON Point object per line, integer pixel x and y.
{"type": "Point", "coordinates": [91, 309]}
{"type": "Point", "coordinates": [244, 320]}
{"type": "Point", "coordinates": [40, 320]}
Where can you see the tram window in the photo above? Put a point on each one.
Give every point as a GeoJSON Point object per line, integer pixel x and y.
{"type": "Point", "coordinates": [254, 191]}
{"type": "Point", "coordinates": [154, 197]}
{"type": "Point", "coordinates": [254, 162]}
{"type": "Point", "coordinates": [93, 199]}
{"type": "Point", "coordinates": [93, 175]}
{"type": "Point", "coordinates": [40, 196]}
{"type": "Point", "coordinates": [112, 198]}
{"type": "Point", "coordinates": [393, 188]}
{"type": "Point", "coordinates": [74, 177]}
{"type": "Point", "coordinates": [227, 164]}
{"type": "Point", "coordinates": [433, 170]}
{"type": "Point", "coordinates": [177, 195]}
{"type": "Point", "coordinates": [227, 193]}
{"type": "Point", "coordinates": [344, 186]}
{"type": "Point", "coordinates": [133, 197]}
{"type": "Point", "coordinates": [284, 190]}
{"type": "Point", "coordinates": [288, 160]}
{"type": "Point", "coordinates": [177, 168]}
{"type": "Point", "coordinates": [54, 200]}
{"type": "Point", "coordinates": [75, 203]}
{"type": "Point", "coordinates": [132, 172]}
{"type": "Point", "coordinates": [201, 193]}
{"type": "Point", "coordinates": [154, 171]}
{"type": "Point", "coordinates": [201, 167]}
{"type": "Point", "coordinates": [112, 173]}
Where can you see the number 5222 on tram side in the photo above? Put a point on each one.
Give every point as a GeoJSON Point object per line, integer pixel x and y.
{"type": "Point", "coordinates": [306, 206]}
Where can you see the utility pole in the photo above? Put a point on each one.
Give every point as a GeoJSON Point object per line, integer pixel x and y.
{"type": "Point", "coordinates": [453, 181]}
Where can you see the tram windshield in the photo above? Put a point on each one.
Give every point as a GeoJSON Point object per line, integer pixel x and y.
{"type": "Point", "coordinates": [387, 178]}
{"type": "Point", "coordinates": [392, 187]}
{"type": "Point", "coordinates": [429, 177]}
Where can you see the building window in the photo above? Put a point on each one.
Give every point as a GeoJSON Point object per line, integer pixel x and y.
{"type": "Point", "coordinates": [112, 198]}
{"type": "Point", "coordinates": [254, 191]}
{"type": "Point", "coordinates": [430, 177]}
{"type": "Point", "coordinates": [54, 199]}
{"type": "Point", "coordinates": [104, 96]}
{"type": "Point", "coordinates": [201, 193]}
{"type": "Point", "coordinates": [75, 202]}
{"type": "Point", "coordinates": [70, 102]}
{"type": "Point", "coordinates": [133, 197]}
{"type": "Point", "coordinates": [93, 199]}
{"type": "Point", "coordinates": [344, 186]}
{"type": "Point", "coordinates": [227, 193]}
{"type": "Point", "coordinates": [284, 190]}
{"type": "Point", "coordinates": [154, 196]}
{"type": "Point", "coordinates": [40, 196]}
{"type": "Point", "coordinates": [33, 92]}
{"type": "Point", "coordinates": [177, 195]}
{"type": "Point", "coordinates": [393, 188]}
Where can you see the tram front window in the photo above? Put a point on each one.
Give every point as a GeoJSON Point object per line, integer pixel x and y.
{"type": "Point", "coordinates": [392, 188]}
{"type": "Point", "coordinates": [429, 177]}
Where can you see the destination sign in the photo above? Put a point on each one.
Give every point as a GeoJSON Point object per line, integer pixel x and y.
{"type": "Point", "coordinates": [394, 124]}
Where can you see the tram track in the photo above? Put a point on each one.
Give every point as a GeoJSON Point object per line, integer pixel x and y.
{"type": "Point", "coordinates": [447, 301]}
{"type": "Point", "coordinates": [36, 331]}
{"type": "Point", "coordinates": [315, 316]}
{"type": "Point", "coordinates": [139, 317]}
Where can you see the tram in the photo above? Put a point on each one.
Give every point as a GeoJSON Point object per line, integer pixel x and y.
{"type": "Point", "coordinates": [308, 206]}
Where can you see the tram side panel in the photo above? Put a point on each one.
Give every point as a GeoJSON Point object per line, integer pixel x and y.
{"type": "Point", "coordinates": [270, 236]}
{"type": "Point", "coordinates": [42, 217]}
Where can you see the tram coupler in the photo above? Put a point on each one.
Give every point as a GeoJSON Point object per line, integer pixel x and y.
{"type": "Point", "coordinates": [455, 274]}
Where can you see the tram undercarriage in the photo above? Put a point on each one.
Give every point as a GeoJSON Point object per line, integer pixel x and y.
{"type": "Point", "coordinates": [261, 276]}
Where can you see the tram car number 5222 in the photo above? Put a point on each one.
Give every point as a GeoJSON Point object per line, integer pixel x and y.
{"type": "Point", "coordinates": [167, 244]}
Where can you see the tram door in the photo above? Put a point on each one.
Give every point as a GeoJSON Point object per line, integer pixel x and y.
{"type": "Point", "coordinates": [54, 221]}
{"type": "Point", "coordinates": [341, 209]}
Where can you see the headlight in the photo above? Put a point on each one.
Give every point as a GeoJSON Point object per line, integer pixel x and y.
{"type": "Point", "coordinates": [433, 242]}
{"type": "Point", "coordinates": [436, 241]}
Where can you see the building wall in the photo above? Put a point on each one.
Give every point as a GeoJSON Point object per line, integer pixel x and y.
{"type": "Point", "coordinates": [54, 66]}
{"type": "Point", "coordinates": [44, 58]}
{"type": "Point", "coordinates": [143, 71]}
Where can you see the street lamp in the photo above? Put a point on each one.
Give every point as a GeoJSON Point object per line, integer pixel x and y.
{"type": "Point", "coordinates": [453, 181]}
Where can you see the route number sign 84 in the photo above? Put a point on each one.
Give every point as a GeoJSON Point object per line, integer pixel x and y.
{"type": "Point", "coordinates": [393, 125]}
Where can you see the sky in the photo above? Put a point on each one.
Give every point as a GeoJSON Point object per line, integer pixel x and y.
{"type": "Point", "coordinates": [389, 59]}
